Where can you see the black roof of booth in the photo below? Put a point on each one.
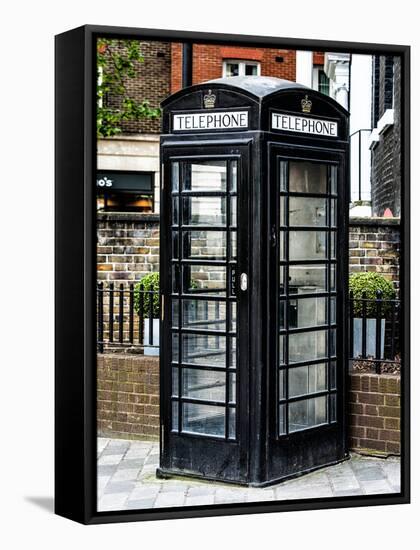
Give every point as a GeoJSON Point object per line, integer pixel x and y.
{"type": "Point", "coordinates": [260, 86]}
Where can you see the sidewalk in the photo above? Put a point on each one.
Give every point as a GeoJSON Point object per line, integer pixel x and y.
{"type": "Point", "coordinates": [126, 480]}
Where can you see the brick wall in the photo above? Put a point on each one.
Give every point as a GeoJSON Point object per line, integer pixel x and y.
{"type": "Point", "coordinates": [375, 246]}
{"type": "Point", "coordinates": [127, 246]}
{"type": "Point", "coordinates": [374, 407]}
{"type": "Point", "coordinates": [128, 396]}
{"type": "Point", "coordinates": [152, 83]}
{"type": "Point", "coordinates": [386, 154]}
{"type": "Point", "coordinates": [208, 62]}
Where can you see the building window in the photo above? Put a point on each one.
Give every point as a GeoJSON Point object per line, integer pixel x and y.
{"type": "Point", "coordinates": [323, 82]}
{"type": "Point", "coordinates": [232, 67]}
{"type": "Point", "coordinates": [124, 191]}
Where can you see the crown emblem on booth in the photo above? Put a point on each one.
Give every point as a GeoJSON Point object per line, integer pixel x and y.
{"type": "Point", "coordinates": [306, 104]}
{"type": "Point", "coordinates": [209, 100]}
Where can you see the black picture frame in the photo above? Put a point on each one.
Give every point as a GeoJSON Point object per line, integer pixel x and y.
{"type": "Point", "coordinates": [75, 275]}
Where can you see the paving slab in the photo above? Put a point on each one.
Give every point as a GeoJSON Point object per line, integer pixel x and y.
{"type": "Point", "coordinates": [127, 481]}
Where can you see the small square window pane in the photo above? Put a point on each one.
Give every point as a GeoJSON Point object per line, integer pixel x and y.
{"type": "Point", "coordinates": [307, 346]}
{"type": "Point", "coordinates": [333, 221]}
{"type": "Point", "coordinates": [204, 279]}
{"type": "Point", "coordinates": [307, 379]}
{"type": "Point", "coordinates": [203, 419]}
{"type": "Point", "coordinates": [333, 180]}
{"type": "Point", "coordinates": [204, 314]}
{"type": "Point", "coordinates": [309, 312]}
{"type": "Point", "coordinates": [206, 350]}
{"type": "Point", "coordinates": [205, 245]}
{"type": "Point", "coordinates": [206, 175]}
{"type": "Point", "coordinates": [251, 70]}
{"type": "Point", "coordinates": [333, 310]}
{"type": "Point", "coordinates": [282, 246]}
{"type": "Point", "coordinates": [307, 413]}
{"type": "Point", "coordinates": [305, 211]}
{"type": "Point", "coordinates": [232, 358]}
{"type": "Point", "coordinates": [333, 238]}
{"type": "Point", "coordinates": [282, 278]}
{"type": "Point", "coordinates": [233, 213]}
{"type": "Point", "coordinates": [233, 245]}
{"type": "Point", "coordinates": [232, 69]}
{"type": "Point", "coordinates": [282, 314]}
{"type": "Point", "coordinates": [283, 176]}
{"type": "Point", "coordinates": [307, 278]}
{"type": "Point", "coordinates": [307, 177]}
{"type": "Point", "coordinates": [232, 387]}
{"type": "Point", "coordinates": [204, 211]}
{"type": "Point", "coordinates": [333, 277]}
{"type": "Point", "coordinates": [233, 316]}
{"type": "Point", "coordinates": [307, 245]}
{"type": "Point", "coordinates": [204, 384]}
{"type": "Point", "coordinates": [283, 221]}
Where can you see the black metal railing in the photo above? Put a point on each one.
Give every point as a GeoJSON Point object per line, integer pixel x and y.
{"type": "Point", "coordinates": [121, 322]}
{"type": "Point", "coordinates": [374, 326]}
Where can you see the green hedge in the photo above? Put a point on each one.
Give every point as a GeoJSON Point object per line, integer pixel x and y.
{"type": "Point", "coordinates": [369, 283]}
{"type": "Point", "coordinates": [148, 282]}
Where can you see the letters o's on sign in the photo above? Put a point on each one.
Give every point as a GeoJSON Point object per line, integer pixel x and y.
{"type": "Point", "coordinates": [304, 125]}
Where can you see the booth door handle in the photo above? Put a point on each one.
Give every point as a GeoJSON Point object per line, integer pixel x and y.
{"type": "Point", "coordinates": [244, 281]}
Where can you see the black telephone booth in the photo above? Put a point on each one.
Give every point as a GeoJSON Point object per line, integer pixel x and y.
{"type": "Point", "coordinates": [254, 206]}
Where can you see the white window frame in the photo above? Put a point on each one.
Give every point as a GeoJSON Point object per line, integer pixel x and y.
{"type": "Point", "coordinates": [241, 65]}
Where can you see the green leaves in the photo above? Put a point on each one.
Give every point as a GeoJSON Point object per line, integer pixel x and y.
{"type": "Point", "coordinates": [117, 62]}
{"type": "Point", "coordinates": [141, 297]}
{"type": "Point", "coordinates": [366, 285]}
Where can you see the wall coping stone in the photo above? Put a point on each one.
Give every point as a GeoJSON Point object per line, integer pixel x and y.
{"type": "Point", "coordinates": [128, 217]}
{"type": "Point", "coordinates": [395, 222]}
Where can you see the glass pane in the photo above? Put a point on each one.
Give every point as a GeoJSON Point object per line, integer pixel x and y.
{"type": "Point", "coordinates": [203, 419]}
{"type": "Point", "coordinates": [333, 407]}
{"type": "Point", "coordinates": [306, 346]}
{"type": "Point", "coordinates": [234, 176]}
{"type": "Point", "coordinates": [282, 278]}
{"type": "Point", "coordinates": [283, 176]}
{"type": "Point", "coordinates": [232, 422]}
{"type": "Point", "coordinates": [307, 413]}
{"type": "Point", "coordinates": [175, 313]}
{"type": "Point", "coordinates": [307, 245]}
{"type": "Point", "coordinates": [333, 375]}
{"type": "Point", "coordinates": [200, 349]}
{"type": "Point", "coordinates": [204, 384]}
{"type": "Point", "coordinates": [332, 310]}
{"type": "Point", "coordinates": [205, 245]}
{"type": "Point", "coordinates": [233, 316]}
{"type": "Point", "coordinates": [282, 419]}
{"type": "Point", "coordinates": [206, 175]}
{"type": "Point", "coordinates": [251, 70]}
{"type": "Point", "coordinates": [175, 244]}
{"type": "Point", "coordinates": [204, 210]}
{"type": "Point", "coordinates": [233, 245]}
{"type": "Point", "coordinates": [333, 342]}
{"type": "Point", "coordinates": [232, 387]}
{"type": "Point", "coordinates": [175, 348]}
{"type": "Point", "coordinates": [232, 359]}
{"type": "Point", "coordinates": [175, 210]}
{"type": "Point", "coordinates": [283, 211]}
{"type": "Point", "coordinates": [282, 314]}
{"type": "Point", "coordinates": [175, 176]}
{"type": "Point", "coordinates": [332, 277]}
{"type": "Point", "coordinates": [307, 211]}
{"type": "Point", "coordinates": [175, 380]}
{"type": "Point", "coordinates": [333, 221]}
{"type": "Point", "coordinates": [175, 416]}
{"type": "Point", "coordinates": [282, 248]}
{"type": "Point", "coordinates": [282, 354]}
{"type": "Point", "coordinates": [333, 238]}
{"type": "Point", "coordinates": [204, 279]}
{"type": "Point", "coordinates": [233, 213]}
{"type": "Point", "coordinates": [232, 69]}
{"type": "Point", "coordinates": [307, 177]}
{"type": "Point", "coordinates": [307, 278]}
{"type": "Point", "coordinates": [282, 384]}
{"type": "Point", "coordinates": [204, 314]}
{"type": "Point", "coordinates": [333, 179]}
{"type": "Point", "coordinates": [309, 312]}
{"type": "Point", "coordinates": [308, 379]}
{"type": "Point", "coordinates": [175, 279]}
